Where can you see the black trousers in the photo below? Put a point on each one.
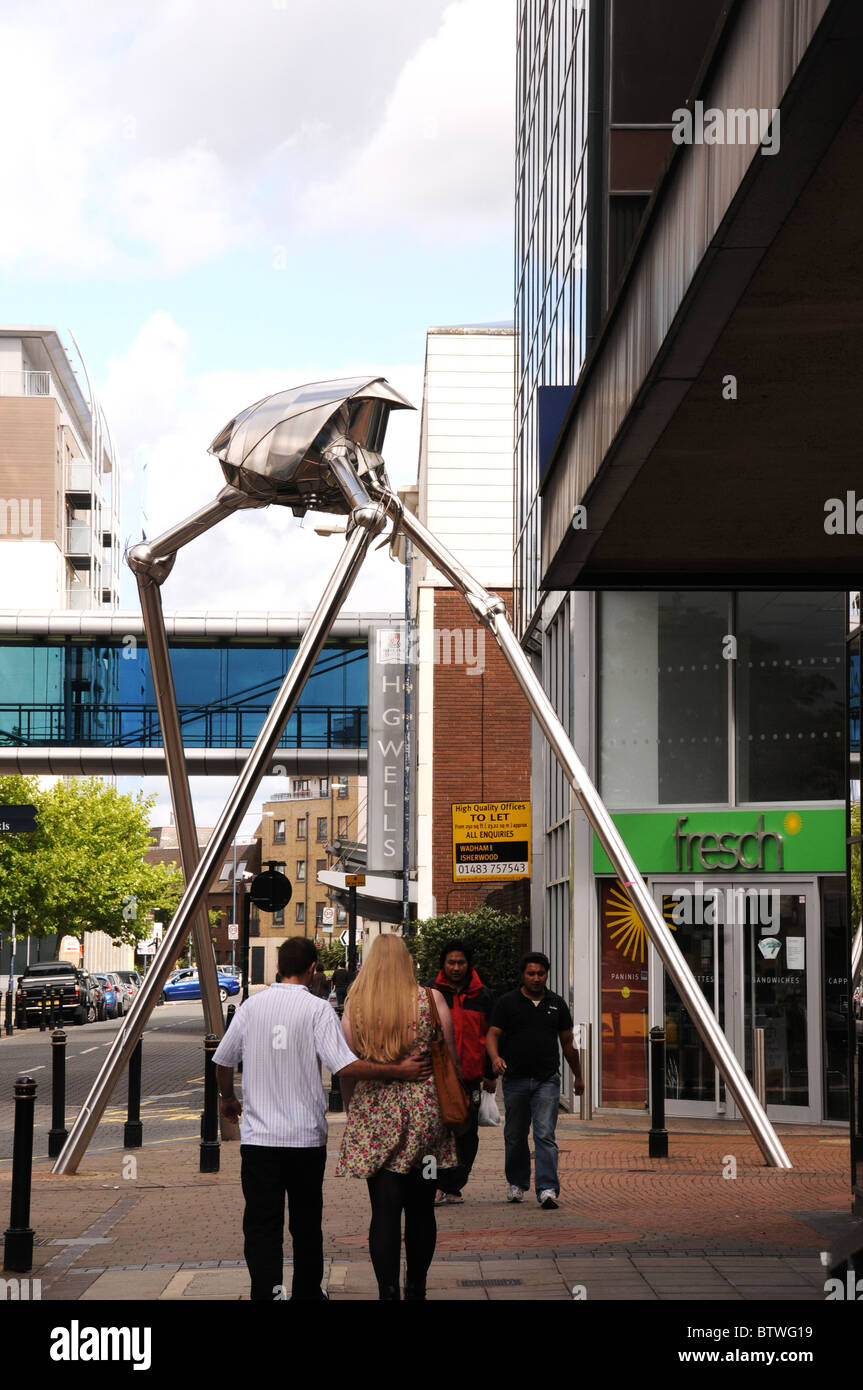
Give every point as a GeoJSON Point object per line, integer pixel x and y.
{"type": "Point", "coordinates": [452, 1180]}
{"type": "Point", "coordinates": [390, 1195]}
{"type": "Point", "coordinates": [268, 1175]}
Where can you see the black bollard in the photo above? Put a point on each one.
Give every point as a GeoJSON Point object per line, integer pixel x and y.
{"type": "Point", "coordinates": [58, 1134]}
{"type": "Point", "coordinates": [133, 1130]}
{"type": "Point", "coordinates": [210, 1118]}
{"type": "Point", "coordinates": [9, 1008]}
{"type": "Point", "coordinates": [232, 1009]}
{"type": "Point", "coordinates": [658, 1138]}
{"type": "Point", "coordinates": [42, 1010]}
{"type": "Point", "coordinates": [18, 1240]}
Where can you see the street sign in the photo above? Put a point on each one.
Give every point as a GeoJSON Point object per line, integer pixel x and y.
{"type": "Point", "coordinates": [355, 880]}
{"type": "Point", "coordinates": [328, 916]}
{"type": "Point", "coordinates": [271, 891]}
{"type": "Point", "coordinates": [490, 841]}
{"type": "Point", "coordinates": [17, 820]}
{"type": "Point", "coordinates": [233, 931]}
{"type": "Point", "coordinates": [345, 937]}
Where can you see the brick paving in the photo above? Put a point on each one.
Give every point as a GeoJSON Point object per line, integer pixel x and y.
{"type": "Point", "coordinates": [628, 1227]}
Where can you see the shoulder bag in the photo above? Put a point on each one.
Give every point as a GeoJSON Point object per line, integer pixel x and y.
{"type": "Point", "coordinates": [451, 1095]}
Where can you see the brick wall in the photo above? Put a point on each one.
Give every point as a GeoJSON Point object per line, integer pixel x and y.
{"type": "Point", "coordinates": [481, 744]}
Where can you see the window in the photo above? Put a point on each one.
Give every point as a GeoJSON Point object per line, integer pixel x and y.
{"type": "Point", "coordinates": [319, 865]}
{"type": "Point", "coordinates": [342, 786]}
{"type": "Point", "coordinates": [322, 827]}
{"type": "Point", "coordinates": [343, 827]}
{"type": "Point", "coordinates": [300, 785]}
{"type": "Point", "coordinates": [301, 913]}
{"type": "Point", "coordinates": [301, 870]}
{"type": "Point", "coordinates": [301, 828]}
{"type": "Point", "coordinates": [278, 832]}
{"type": "Point", "coordinates": [325, 786]}
{"type": "Point", "coordinates": [319, 914]}
{"type": "Point", "coordinates": [279, 918]}
{"type": "Point", "coordinates": [789, 685]}
{"type": "Point", "coordinates": [341, 915]}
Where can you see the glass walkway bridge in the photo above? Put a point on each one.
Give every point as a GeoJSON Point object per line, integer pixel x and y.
{"type": "Point", "coordinates": [76, 692]}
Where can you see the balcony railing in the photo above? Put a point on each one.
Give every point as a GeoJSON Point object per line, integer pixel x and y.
{"type": "Point", "coordinates": [79, 597]}
{"type": "Point", "coordinates": [79, 538]}
{"type": "Point", "coordinates": [79, 476]}
{"type": "Point", "coordinates": [137, 726]}
{"type": "Point", "coordinates": [15, 383]}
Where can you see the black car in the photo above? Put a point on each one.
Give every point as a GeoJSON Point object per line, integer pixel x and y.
{"type": "Point", "coordinates": [56, 988]}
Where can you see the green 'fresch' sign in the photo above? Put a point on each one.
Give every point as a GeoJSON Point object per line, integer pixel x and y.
{"type": "Point", "coordinates": [779, 841]}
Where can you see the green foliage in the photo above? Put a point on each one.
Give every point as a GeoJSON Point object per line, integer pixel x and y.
{"type": "Point", "coordinates": [331, 954]}
{"type": "Point", "coordinates": [497, 940]}
{"type": "Point", "coordinates": [83, 869]}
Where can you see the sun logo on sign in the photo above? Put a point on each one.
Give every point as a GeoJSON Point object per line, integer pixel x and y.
{"type": "Point", "coordinates": [626, 928]}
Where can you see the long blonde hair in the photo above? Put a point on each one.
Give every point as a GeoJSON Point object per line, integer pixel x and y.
{"type": "Point", "coordinates": [383, 1002]}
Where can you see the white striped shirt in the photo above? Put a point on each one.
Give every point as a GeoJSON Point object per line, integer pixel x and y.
{"type": "Point", "coordinates": [283, 1034]}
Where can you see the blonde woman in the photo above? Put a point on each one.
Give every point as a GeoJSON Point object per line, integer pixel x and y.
{"type": "Point", "coordinates": [394, 1137]}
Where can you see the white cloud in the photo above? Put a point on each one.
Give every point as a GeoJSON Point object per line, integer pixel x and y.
{"type": "Point", "coordinates": [164, 414]}
{"type": "Point", "coordinates": [148, 138]}
{"type": "Point", "coordinates": [442, 158]}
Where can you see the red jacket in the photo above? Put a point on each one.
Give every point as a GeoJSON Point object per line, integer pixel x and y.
{"type": "Point", "coordinates": [471, 1010]}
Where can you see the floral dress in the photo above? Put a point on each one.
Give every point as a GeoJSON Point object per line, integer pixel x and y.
{"type": "Point", "coordinates": [396, 1124]}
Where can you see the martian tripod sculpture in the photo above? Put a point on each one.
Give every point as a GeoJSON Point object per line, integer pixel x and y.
{"type": "Point", "coordinates": [318, 448]}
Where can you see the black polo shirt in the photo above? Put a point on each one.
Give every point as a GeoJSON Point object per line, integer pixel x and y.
{"type": "Point", "coordinates": [529, 1042]}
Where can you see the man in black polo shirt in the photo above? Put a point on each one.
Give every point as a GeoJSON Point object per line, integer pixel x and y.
{"type": "Point", "coordinates": [527, 1028]}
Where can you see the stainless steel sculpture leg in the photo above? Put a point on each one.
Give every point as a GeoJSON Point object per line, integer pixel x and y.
{"type": "Point", "coordinates": [490, 610]}
{"type": "Point", "coordinates": [181, 794]}
{"type": "Point", "coordinates": [369, 521]}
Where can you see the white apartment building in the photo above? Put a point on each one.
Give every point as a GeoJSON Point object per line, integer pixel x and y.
{"type": "Point", "coordinates": [59, 480]}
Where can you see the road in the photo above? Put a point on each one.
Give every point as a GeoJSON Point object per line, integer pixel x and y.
{"type": "Point", "coordinates": [172, 1084]}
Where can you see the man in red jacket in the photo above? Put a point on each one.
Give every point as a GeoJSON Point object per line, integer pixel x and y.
{"type": "Point", "coordinates": [470, 1005]}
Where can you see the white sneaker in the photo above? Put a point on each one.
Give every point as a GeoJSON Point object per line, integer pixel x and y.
{"type": "Point", "coordinates": [547, 1199]}
{"type": "Point", "coordinates": [514, 1194]}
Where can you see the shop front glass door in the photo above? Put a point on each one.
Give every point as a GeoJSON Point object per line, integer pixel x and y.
{"type": "Point", "coordinates": [753, 952]}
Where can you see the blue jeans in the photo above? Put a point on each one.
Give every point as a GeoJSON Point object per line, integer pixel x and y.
{"type": "Point", "coordinates": [530, 1101]}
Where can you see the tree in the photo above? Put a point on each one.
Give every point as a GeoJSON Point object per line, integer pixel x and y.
{"type": "Point", "coordinates": [496, 939]}
{"type": "Point", "coordinates": [331, 954]}
{"type": "Point", "coordinates": [83, 869]}
{"type": "Point", "coordinates": [18, 878]}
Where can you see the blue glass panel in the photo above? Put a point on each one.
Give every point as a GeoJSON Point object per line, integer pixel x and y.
{"type": "Point", "coordinates": [86, 693]}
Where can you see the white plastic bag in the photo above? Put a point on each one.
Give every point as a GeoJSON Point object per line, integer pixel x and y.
{"type": "Point", "coordinates": [488, 1111]}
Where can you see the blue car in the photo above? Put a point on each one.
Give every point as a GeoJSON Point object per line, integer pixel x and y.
{"type": "Point", "coordinates": [184, 984]}
{"type": "Point", "coordinates": [113, 1005]}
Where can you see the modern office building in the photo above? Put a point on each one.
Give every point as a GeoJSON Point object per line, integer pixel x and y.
{"type": "Point", "coordinates": [472, 724]}
{"type": "Point", "coordinates": [688, 365]}
{"type": "Point", "coordinates": [60, 539]}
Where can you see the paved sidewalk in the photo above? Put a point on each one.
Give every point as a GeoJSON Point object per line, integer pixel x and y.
{"type": "Point", "coordinates": [709, 1222]}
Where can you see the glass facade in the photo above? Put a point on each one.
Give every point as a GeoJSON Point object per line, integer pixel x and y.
{"type": "Point", "coordinates": [82, 692]}
{"type": "Point", "coordinates": [683, 677]}
{"type": "Point", "coordinates": [550, 245]}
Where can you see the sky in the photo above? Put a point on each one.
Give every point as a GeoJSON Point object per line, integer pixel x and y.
{"type": "Point", "coordinates": [221, 200]}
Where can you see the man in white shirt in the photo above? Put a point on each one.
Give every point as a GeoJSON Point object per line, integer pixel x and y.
{"type": "Point", "coordinates": [282, 1035]}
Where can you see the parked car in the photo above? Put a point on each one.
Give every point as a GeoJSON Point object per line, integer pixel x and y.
{"type": "Point", "coordinates": [113, 994]}
{"type": "Point", "coordinates": [99, 998]}
{"type": "Point", "coordinates": [123, 1000]}
{"type": "Point", "coordinates": [184, 984]}
{"type": "Point", "coordinates": [70, 992]}
{"type": "Point", "coordinates": [130, 983]}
